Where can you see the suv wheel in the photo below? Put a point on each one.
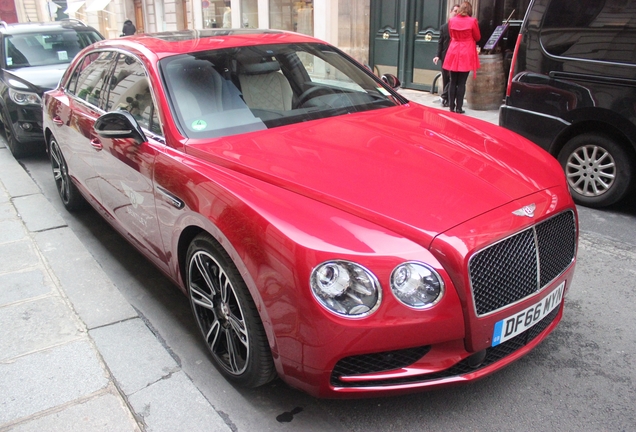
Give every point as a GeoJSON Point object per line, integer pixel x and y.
{"type": "Point", "coordinates": [12, 143]}
{"type": "Point", "coordinates": [598, 169]}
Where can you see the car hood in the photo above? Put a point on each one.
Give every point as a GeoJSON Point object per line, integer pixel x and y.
{"type": "Point", "coordinates": [415, 170]}
{"type": "Point", "coordinates": [39, 78]}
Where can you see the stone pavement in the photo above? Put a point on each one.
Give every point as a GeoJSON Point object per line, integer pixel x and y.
{"type": "Point", "coordinates": [74, 355]}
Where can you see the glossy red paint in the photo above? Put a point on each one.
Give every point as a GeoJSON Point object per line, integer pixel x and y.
{"type": "Point", "coordinates": [402, 183]}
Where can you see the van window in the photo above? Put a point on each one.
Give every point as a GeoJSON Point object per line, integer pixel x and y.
{"type": "Point", "coordinates": [603, 30]}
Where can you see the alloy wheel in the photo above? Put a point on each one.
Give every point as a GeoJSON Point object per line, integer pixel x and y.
{"type": "Point", "coordinates": [590, 170]}
{"type": "Point", "coordinates": [60, 172]}
{"type": "Point", "coordinates": [219, 313]}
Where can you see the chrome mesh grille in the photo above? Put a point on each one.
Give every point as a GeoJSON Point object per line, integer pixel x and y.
{"type": "Point", "coordinates": [522, 264]}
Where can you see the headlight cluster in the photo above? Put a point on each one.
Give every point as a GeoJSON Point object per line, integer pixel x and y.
{"type": "Point", "coordinates": [346, 288]}
{"type": "Point", "coordinates": [24, 97]}
{"type": "Point", "coordinates": [416, 285]}
{"type": "Point", "coordinates": [350, 290]}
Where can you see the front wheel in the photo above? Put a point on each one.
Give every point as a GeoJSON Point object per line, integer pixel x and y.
{"type": "Point", "coordinates": [18, 149]}
{"type": "Point", "coordinates": [598, 169]}
{"type": "Point", "coordinates": [226, 315]}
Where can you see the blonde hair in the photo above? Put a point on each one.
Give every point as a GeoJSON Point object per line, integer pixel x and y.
{"type": "Point", "coordinates": [465, 9]}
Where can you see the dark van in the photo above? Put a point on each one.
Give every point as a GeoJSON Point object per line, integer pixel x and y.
{"type": "Point", "coordinates": [572, 90]}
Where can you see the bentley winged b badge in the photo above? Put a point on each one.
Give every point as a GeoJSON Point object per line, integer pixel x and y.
{"type": "Point", "coordinates": [526, 210]}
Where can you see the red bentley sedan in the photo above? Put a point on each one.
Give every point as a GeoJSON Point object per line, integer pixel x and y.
{"type": "Point", "coordinates": [325, 229]}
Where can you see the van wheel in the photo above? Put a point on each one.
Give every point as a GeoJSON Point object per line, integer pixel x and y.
{"type": "Point", "coordinates": [226, 315]}
{"type": "Point", "coordinates": [598, 169]}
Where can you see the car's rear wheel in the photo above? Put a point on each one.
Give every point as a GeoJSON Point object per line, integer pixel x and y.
{"type": "Point", "coordinates": [598, 169]}
{"type": "Point", "coordinates": [71, 197]}
{"type": "Point", "coordinates": [226, 315]}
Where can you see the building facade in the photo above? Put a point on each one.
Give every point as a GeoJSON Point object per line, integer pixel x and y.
{"type": "Point", "coordinates": [392, 36]}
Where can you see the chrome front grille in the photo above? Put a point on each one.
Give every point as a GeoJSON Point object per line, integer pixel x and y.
{"type": "Point", "coordinates": [522, 264]}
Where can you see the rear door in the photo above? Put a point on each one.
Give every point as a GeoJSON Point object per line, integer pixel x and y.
{"type": "Point", "coordinates": [85, 91]}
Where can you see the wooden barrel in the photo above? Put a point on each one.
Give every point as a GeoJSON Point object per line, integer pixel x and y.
{"type": "Point", "coordinates": [486, 92]}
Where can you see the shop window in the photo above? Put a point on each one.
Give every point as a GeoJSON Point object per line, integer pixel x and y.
{"type": "Point", "coordinates": [297, 16]}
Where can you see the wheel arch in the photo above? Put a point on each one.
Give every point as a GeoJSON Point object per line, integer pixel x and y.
{"type": "Point", "coordinates": [198, 227]}
{"type": "Point", "coordinates": [601, 121]}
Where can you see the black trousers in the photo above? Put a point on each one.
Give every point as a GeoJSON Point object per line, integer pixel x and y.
{"type": "Point", "coordinates": [457, 89]}
{"type": "Point", "coordinates": [445, 84]}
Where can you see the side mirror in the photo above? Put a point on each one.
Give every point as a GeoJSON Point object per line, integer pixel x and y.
{"type": "Point", "coordinates": [392, 81]}
{"type": "Point", "coordinates": [118, 125]}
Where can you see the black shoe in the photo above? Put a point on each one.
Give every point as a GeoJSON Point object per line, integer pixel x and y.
{"type": "Point", "coordinates": [460, 111]}
{"type": "Point", "coordinates": [445, 103]}
{"type": "Point", "coordinates": [452, 109]}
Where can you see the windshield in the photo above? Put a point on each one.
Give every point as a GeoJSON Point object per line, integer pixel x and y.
{"type": "Point", "coordinates": [231, 91]}
{"type": "Point", "coordinates": [38, 49]}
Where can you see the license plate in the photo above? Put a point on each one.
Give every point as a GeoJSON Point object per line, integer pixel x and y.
{"type": "Point", "coordinates": [516, 324]}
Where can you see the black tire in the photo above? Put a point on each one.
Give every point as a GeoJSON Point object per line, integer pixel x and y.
{"type": "Point", "coordinates": [598, 169]}
{"type": "Point", "coordinates": [226, 315]}
{"type": "Point", "coordinates": [70, 195]}
{"type": "Point", "coordinates": [18, 149]}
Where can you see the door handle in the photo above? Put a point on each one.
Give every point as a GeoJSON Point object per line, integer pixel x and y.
{"type": "Point", "coordinates": [58, 121]}
{"type": "Point", "coordinates": [96, 144]}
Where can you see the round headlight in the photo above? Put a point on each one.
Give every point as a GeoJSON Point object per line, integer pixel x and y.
{"type": "Point", "coordinates": [345, 288]}
{"type": "Point", "coordinates": [417, 285]}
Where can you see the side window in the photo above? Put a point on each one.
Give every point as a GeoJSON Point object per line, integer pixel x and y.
{"type": "Point", "coordinates": [90, 81]}
{"type": "Point", "coordinates": [590, 30]}
{"type": "Point", "coordinates": [130, 90]}
{"type": "Point", "coordinates": [71, 86]}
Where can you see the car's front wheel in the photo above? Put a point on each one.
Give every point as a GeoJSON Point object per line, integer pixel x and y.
{"type": "Point", "coordinates": [226, 315]}
{"type": "Point", "coordinates": [17, 149]}
{"type": "Point", "coordinates": [599, 170]}
{"type": "Point", "coordinates": [71, 197]}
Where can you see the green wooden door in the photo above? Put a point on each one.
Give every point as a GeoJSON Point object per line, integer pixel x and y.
{"type": "Point", "coordinates": [404, 38]}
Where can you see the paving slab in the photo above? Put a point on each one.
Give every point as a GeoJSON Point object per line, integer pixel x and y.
{"type": "Point", "coordinates": [14, 177]}
{"type": "Point", "coordinates": [19, 286]}
{"type": "Point", "coordinates": [16, 256]}
{"type": "Point", "coordinates": [12, 230]}
{"type": "Point", "coordinates": [95, 298]}
{"type": "Point", "coordinates": [36, 325]}
{"type": "Point", "coordinates": [7, 211]}
{"type": "Point", "coordinates": [105, 413]}
{"type": "Point", "coordinates": [38, 213]}
{"type": "Point", "coordinates": [175, 404]}
{"type": "Point", "coordinates": [133, 354]}
{"type": "Point", "coordinates": [50, 378]}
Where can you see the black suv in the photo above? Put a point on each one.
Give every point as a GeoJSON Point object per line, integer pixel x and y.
{"type": "Point", "coordinates": [34, 57]}
{"type": "Point", "coordinates": [573, 92]}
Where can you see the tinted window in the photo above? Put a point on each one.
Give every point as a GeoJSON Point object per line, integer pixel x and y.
{"type": "Point", "coordinates": [226, 92]}
{"type": "Point", "coordinates": [129, 90]}
{"type": "Point", "coordinates": [602, 30]}
{"type": "Point", "coordinates": [38, 49]}
{"type": "Point", "coordinates": [90, 80]}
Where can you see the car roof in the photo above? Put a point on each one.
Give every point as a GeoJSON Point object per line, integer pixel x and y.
{"type": "Point", "coordinates": [167, 44]}
{"type": "Point", "coordinates": [38, 27]}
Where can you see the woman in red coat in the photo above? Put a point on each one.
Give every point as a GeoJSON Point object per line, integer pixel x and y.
{"type": "Point", "coordinates": [461, 57]}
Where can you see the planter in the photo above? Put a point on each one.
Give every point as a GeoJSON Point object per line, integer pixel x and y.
{"type": "Point", "coordinates": [486, 92]}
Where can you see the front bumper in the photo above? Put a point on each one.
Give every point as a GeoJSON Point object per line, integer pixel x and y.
{"type": "Point", "coordinates": [25, 122]}
{"type": "Point", "coordinates": [407, 354]}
